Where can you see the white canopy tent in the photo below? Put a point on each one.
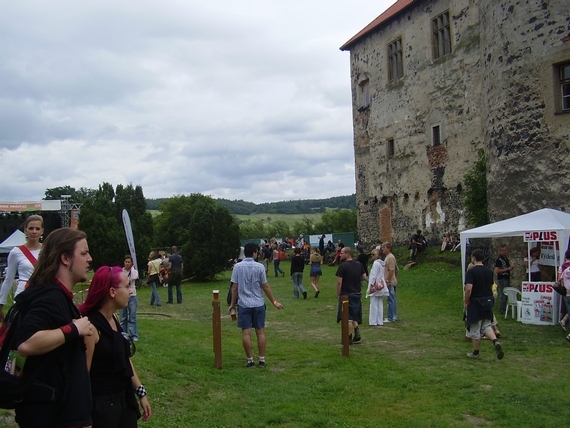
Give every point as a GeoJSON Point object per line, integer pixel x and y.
{"type": "Point", "coordinates": [15, 239]}
{"type": "Point", "coordinates": [544, 220]}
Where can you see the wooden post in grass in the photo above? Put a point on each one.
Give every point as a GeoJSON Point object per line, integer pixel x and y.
{"type": "Point", "coordinates": [217, 326]}
{"type": "Point", "coordinates": [344, 327]}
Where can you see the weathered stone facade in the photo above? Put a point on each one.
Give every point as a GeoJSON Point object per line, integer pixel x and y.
{"type": "Point", "coordinates": [416, 136]}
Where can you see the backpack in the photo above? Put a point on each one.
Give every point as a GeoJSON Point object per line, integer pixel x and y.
{"type": "Point", "coordinates": [12, 386]}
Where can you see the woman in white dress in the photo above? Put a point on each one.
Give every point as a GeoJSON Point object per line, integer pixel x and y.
{"type": "Point", "coordinates": [20, 260]}
{"type": "Point", "coordinates": [377, 290]}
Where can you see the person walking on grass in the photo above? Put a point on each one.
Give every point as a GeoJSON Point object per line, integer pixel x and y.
{"type": "Point", "coordinates": [391, 277]}
{"type": "Point", "coordinates": [377, 290]}
{"type": "Point", "coordinates": [250, 282]}
{"type": "Point", "coordinates": [277, 261]}
{"type": "Point", "coordinates": [129, 313]}
{"type": "Point", "coordinates": [350, 275]}
{"type": "Point", "coordinates": [297, 268]}
{"type": "Point", "coordinates": [175, 268]}
{"type": "Point", "coordinates": [479, 304]}
{"type": "Point", "coordinates": [316, 272]}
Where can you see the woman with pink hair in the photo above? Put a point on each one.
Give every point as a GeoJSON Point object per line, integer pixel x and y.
{"type": "Point", "coordinates": [114, 381]}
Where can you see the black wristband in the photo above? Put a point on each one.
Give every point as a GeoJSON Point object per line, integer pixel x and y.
{"type": "Point", "coordinates": [70, 332]}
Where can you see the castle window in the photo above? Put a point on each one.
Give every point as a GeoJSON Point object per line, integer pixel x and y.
{"type": "Point", "coordinates": [436, 135]}
{"type": "Point", "coordinates": [363, 95]}
{"type": "Point", "coordinates": [395, 61]}
{"type": "Point", "coordinates": [565, 86]}
{"type": "Point", "coordinates": [441, 35]}
{"type": "Point", "coordinates": [390, 148]}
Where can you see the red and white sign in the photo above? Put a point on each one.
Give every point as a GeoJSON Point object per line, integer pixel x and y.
{"type": "Point", "coordinates": [541, 236]}
{"type": "Point", "coordinates": [539, 303]}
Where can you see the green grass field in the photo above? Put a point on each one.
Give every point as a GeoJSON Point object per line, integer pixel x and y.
{"type": "Point", "coordinates": [412, 373]}
{"type": "Point", "coordinates": [290, 219]}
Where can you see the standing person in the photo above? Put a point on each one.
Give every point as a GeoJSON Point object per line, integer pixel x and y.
{"type": "Point", "coordinates": [248, 281]}
{"type": "Point", "coordinates": [175, 268]}
{"type": "Point", "coordinates": [377, 290]}
{"type": "Point", "coordinates": [479, 304]}
{"type": "Point", "coordinates": [533, 267]}
{"type": "Point", "coordinates": [363, 259]}
{"type": "Point", "coordinates": [503, 270]}
{"type": "Point", "coordinates": [391, 277]}
{"type": "Point", "coordinates": [322, 245]}
{"type": "Point", "coordinates": [51, 335]}
{"type": "Point", "coordinates": [297, 268]}
{"type": "Point", "coordinates": [316, 272]}
{"type": "Point", "coordinates": [22, 260]}
{"type": "Point", "coordinates": [164, 263]}
{"type": "Point", "coordinates": [277, 261]}
{"type": "Point", "coordinates": [129, 312]}
{"type": "Point", "coordinates": [266, 256]}
{"type": "Point", "coordinates": [350, 275]}
{"type": "Point", "coordinates": [114, 381]}
{"type": "Point", "coordinates": [153, 271]}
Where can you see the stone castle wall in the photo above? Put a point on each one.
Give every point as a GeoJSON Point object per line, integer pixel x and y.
{"type": "Point", "coordinates": [483, 94]}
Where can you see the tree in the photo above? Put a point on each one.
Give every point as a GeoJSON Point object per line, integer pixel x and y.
{"type": "Point", "coordinates": [338, 221]}
{"type": "Point", "coordinates": [76, 196]}
{"type": "Point", "coordinates": [475, 195]}
{"type": "Point", "coordinates": [207, 234]}
{"type": "Point", "coordinates": [101, 219]}
{"type": "Point", "coordinates": [278, 229]}
{"type": "Point", "coordinates": [249, 229]}
{"type": "Point", "coordinates": [105, 235]}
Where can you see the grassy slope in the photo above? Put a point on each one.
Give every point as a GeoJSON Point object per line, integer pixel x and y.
{"type": "Point", "coordinates": [411, 373]}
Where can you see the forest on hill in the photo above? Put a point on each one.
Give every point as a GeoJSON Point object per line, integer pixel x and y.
{"type": "Point", "coordinates": [306, 206]}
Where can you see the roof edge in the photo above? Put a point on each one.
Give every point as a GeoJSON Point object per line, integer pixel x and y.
{"type": "Point", "coordinates": [392, 11]}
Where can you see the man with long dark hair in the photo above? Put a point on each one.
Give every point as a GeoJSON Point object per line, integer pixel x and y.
{"type": "Point", "coordinates": [51, 336]}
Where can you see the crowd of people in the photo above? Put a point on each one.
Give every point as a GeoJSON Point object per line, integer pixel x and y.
{"type": "Point", "coordinates": [88, 349]}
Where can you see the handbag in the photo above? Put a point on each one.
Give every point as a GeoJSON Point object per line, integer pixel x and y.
{"type": "Point", "coordinates": [486, 303]}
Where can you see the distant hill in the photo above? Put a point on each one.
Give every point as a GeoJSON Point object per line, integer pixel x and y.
{"type": "Point", "coordinates": [306, 206]}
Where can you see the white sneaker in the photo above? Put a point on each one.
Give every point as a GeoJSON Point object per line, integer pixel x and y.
{"type": "Point", "coordinates": [387, 320]}
{"type": "Point", "coordinates": [562, 324]}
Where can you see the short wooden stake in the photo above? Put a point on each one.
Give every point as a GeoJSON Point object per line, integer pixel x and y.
{"type": "Point", "coordinates": [217, 328]}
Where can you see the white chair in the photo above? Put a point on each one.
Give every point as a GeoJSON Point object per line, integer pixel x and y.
{"type": "Point", "coordinates": [513, 295]}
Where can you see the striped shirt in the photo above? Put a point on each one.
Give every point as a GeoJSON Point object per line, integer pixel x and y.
{"type": "Point", "coordinates": [249, 276]}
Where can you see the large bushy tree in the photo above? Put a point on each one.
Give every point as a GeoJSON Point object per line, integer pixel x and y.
{"type": "Point", "coordinates": [206, 234]}
{"type": "Point", "coordinates": [101, 219]}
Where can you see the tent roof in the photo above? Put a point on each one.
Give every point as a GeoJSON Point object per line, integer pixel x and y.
{"type": "Point", "coordinates": [15, 239]}
{"type": "Point", "coordinates": [541, 220]}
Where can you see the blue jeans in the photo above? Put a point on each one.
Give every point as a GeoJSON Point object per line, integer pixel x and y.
{"type": "Point", "coordinates": [154, 294]}
{"type": "Point", "coordinates": [502, 283]}
{"type": "Point", "coordinates": [129, 318]}
{"type": "Point", "coordinates": [392, 314]}
{"type": "Point", "coordinates": [298, 284]}
{"type": "Point", "coordinates": [178, 292]}
{"type": "Point", "coordinates": [277, 268]}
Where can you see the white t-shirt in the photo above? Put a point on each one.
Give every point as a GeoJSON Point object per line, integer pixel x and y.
{"type": "Point", "coordinates": [17, 263]}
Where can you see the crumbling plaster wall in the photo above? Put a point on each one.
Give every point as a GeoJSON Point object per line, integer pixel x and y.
{"type": "Point", "coordinates": [527, 139]}
{"type": "Point", "coordinates": [420, 185]}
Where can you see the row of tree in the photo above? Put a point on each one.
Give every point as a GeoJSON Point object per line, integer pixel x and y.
{"type": "Point", "coordinates": [306, 206]}
{"type": "Point", "coordinates": [205, 232]}
{"type": "Point", "coordinates": [331, 222]}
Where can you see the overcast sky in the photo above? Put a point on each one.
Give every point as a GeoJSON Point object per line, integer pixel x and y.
{"type": "Point", "coordinates": [234, 99]}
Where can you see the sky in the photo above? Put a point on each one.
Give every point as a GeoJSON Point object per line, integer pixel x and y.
{"type": "Point", "coordinates": [233, 99]}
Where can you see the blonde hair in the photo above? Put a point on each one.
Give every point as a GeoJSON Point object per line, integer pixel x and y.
{"type": "Point", "coordinates": [34, 217]}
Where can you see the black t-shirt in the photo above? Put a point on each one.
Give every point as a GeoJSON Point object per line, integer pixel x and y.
{"type": "Point", "coordinates": [502, 262]}
{"type": "Point", "coordinates": [482, 279]}
{"type": "Point", "coordinates": [351, 272]}
{"type": "Point", "coordinates": [363, 259]}
{"type": "Point", "coordinates": [297, 264]}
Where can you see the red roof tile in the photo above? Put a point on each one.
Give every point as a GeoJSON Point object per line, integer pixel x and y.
{"type": "Point", "coordinates": [387, 14]}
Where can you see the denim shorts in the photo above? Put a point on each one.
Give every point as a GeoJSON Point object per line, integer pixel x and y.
{"type": "Point", "coordinates": [251, 317]}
